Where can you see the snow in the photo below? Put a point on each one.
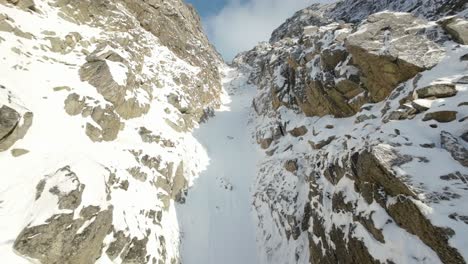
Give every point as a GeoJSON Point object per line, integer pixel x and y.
{"type": "Point", "coordinates": [56, 139]}
{"type": "Point", "coordinates": [119, 72]}
{"type": "Point", "coordinates": [216, 222]}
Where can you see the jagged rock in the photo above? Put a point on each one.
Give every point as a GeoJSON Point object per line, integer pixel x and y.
{"type": "Point", "coordinates": [437, 90]}
{"type": "Point", "coordinates": [457, 150]}
{"type": "Point", "coordinates": [114, 89]}
{"type": "Point", "coordinates": [388, 55]}
{"type": "Point", "coordinates": [457, 28]}
{"type": "Point", "coordinates": [58, 241]}
{"type": "Point", "coordinates": [441, 116]}
{"type": "Point", "coordinates": [64, 238]}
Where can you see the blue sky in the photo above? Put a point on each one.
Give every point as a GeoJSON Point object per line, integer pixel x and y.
{"type": "Point", "coordinates": [234, 26]}
{"type": "Point", "coordinates": [207, 7]}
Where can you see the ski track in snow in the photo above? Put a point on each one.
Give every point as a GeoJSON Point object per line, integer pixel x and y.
{"type": "Point", "coordinates": [216, 223]}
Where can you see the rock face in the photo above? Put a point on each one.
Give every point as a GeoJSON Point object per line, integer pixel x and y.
{"type": "Point", "coordinates": [15, 120]}
{"type": "Point", "coordinates": [388, 54]}
{"type": "Point", "coordinates": [458, 28]}
{"type": "Point", "coordinates": [115, 88]}
{"type": "Point", "coordinates": [391, 172]}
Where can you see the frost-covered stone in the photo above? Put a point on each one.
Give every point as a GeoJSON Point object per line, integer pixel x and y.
{"type": "Point", "coordinates": [437, 90]}
{"type": "Point", "coordinates": [388, 52]}
{"type": "Point", "coordinates": [457, 28]}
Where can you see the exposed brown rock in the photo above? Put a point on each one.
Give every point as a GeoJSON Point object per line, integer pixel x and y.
{"type": "Point", "coordinates": [291, 165]}
{"type": "Point", "coordinates": [437, 90]}
{"type": "Point", "coordinates": [384, 70]}
{"type": "Point", "coordinates": [298, 131]}
{"type": "Point", "coordinates": [441, 116]}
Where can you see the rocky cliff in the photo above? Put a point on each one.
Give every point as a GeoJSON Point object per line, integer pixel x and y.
{"type": "Point", "coordinates": [360, 113]}
{"type": "Point", "coordinates": [361, 110]}
{"type": "Point", "coordinates": [96, 99]}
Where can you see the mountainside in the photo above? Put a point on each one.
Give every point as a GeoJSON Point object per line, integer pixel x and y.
{"type": "Point", "coordinates": [96, 102]}
{"type": "Point", "coordinates": [363, 120]}
{"type": "Point", "coordinates": [124, 137]}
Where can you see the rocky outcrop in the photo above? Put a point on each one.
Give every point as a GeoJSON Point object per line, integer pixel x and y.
{"type": "Point", "coordinates": [457, 28]}
{"type": "Point", "coordinates": [380, 99]}
{"type": "Point", "coordinates": [64, 237]}
{"type": "Point", "coordinates": [15, 120]}
{"type": "Point", "coordinates": [57, 241]}
{"type": "Point", "coordinates": [330, 70]}
{"type": "Point", "coordinates": [437, 91]}
{"type": "Point", "coordinates": [116, 88]}
{"type": "Point", "coordinates": [388, 54]}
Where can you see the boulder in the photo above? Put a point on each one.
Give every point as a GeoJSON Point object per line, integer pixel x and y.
{"type": "Point", "coordinates": [113, 84]}
{"type": "Point", "coordinates": [441, 116]}
{"type": "Point", "coordinates": [441, 90]}
{"type": "Point", "coordinates": [298, 131]}
{"type": "Point", "coordinates": [388, 52]}
{"type": "Point", "coordinates": [458, 28]}
{"type": "Point", "coordinates": [291, 165]}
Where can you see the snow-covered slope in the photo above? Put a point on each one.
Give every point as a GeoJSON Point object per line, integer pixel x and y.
{"type": "Point", "coordinates": [365, 130]}
{"type": "Point", "coordinates": [360, 119]}
{"type": "Point", "coordinates": [96, 108]}
{"type": "Point", "coordinates": [217, 222]}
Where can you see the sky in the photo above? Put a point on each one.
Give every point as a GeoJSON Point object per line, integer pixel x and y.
{"type": "Point", "coordinates": [234, 26]}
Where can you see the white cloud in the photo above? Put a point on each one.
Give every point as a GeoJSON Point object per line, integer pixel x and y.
{"type": "Point", "coordinates": [240, 25]}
